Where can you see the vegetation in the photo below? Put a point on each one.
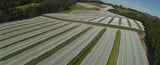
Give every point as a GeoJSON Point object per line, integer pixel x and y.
{"type": "Point", "coordinates": [120, 21]}
{"type": "Point", "coordinates": [129, 23]}
{"type": "Point", "coordinates": [5, 4]}
{"type": "Point", "coordinates": [91, 1]}
{"type": "Point", "coordinates": [114, 54]}
{"type": "Point", "coordinates": [72, 8]}
{"type": "Point", "coordinates": [97, 4]}
{"type": "Point", "coordinates": [22, 9]}
{"type": "Point", "coordinates": [152, 29]}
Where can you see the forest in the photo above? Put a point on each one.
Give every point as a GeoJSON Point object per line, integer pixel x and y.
{"type": "Point", "coordinates": [11, 10]}
{"type": "Point", "coordinates": [152, 29]}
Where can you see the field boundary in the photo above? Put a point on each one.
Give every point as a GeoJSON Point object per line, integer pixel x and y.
{"type": "Point", "coordinates": [129, 23]}
{"type": "Point", "coordinates": [115, 50]}
{"type": "Point", "coordinates": [120, 21]}
{"type": "Point", "coordinates": [97, 24]}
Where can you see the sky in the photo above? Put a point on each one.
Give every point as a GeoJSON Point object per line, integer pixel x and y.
{"type": "Point", "coordinates": [149, 6]}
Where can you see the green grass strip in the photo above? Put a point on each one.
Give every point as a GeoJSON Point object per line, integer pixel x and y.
{"type": "Point", "coordinates": [73, 7]}
{"type": "Point", "coordinates": [52, 51]}
{"type": "Point", "coordinates": [115, 50]}
{"type": "Point", "coordinates": [120, 21]}
{"type": "Point", "coordinates": [31, 36]}
{"type": "Point", "coordinates": [138, 24]}
{"type": "Point", "coordinates": [80, 57]}
{"type": "Point", "coordinates": [129, 23]}
{"type": "Point", "coordinates": [23, 7]}
{"type": "Point", "coordinates": [31, 46]}
{"type": "Point", "coordinates": [110, 21]}
{"type": "Point", "coordinates": [96, 4]}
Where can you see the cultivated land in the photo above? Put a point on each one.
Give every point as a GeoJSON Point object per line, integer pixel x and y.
{"type": "Point", "coordinates": [83, 37]}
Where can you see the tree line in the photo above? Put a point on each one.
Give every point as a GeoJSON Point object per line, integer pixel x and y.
{"type": "Point", "coordinates": [9, 12]}
{"type": "Point", "coordinates": [5, 4]}
{"type": "Point", "coordinates": [152, 29]}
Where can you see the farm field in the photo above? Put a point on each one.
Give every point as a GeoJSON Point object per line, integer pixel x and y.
{"type": "Point", "coordinates": [101, 52]}
{"type": "Point", "coordinates": [113, 21]}
{"type": "Point", "coordinates": [128, 51]}
{"type": "Point", "coordinates": [78, 38]}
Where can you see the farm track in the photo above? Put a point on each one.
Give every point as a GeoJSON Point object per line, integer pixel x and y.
{"type": "Point", "coordinates": [97, 24]}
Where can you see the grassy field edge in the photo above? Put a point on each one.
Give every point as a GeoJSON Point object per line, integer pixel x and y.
{"type": "Point", "coordinates": [129, 23]}
{"type": "Point", "coordinates": [115, 50]}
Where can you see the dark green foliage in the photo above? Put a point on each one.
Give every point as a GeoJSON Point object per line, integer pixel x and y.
{"type": "Point", "coordinates": [152, 29]}
{"type": "Point", "coordinates": [91, 1]}
{"type": "Point", "coordinates": [8, 12]}
{"type": "Point", "coordinates": [57, 5]}
{"type": "Point", "coordinates": [5, 4]}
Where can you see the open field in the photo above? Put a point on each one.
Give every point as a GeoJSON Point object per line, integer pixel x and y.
{"type": "Point", "coordinates": [72, 39]}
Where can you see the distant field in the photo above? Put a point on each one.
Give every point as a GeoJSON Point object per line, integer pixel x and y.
{"type": "Point", "coordinates": [77, 7]}
{"type": "Point", "coordinates": [28, 5]}
{"type": "Point", "coordinates": [72, 8]}
{"type": "Point", "coordinates": [99, 5]}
